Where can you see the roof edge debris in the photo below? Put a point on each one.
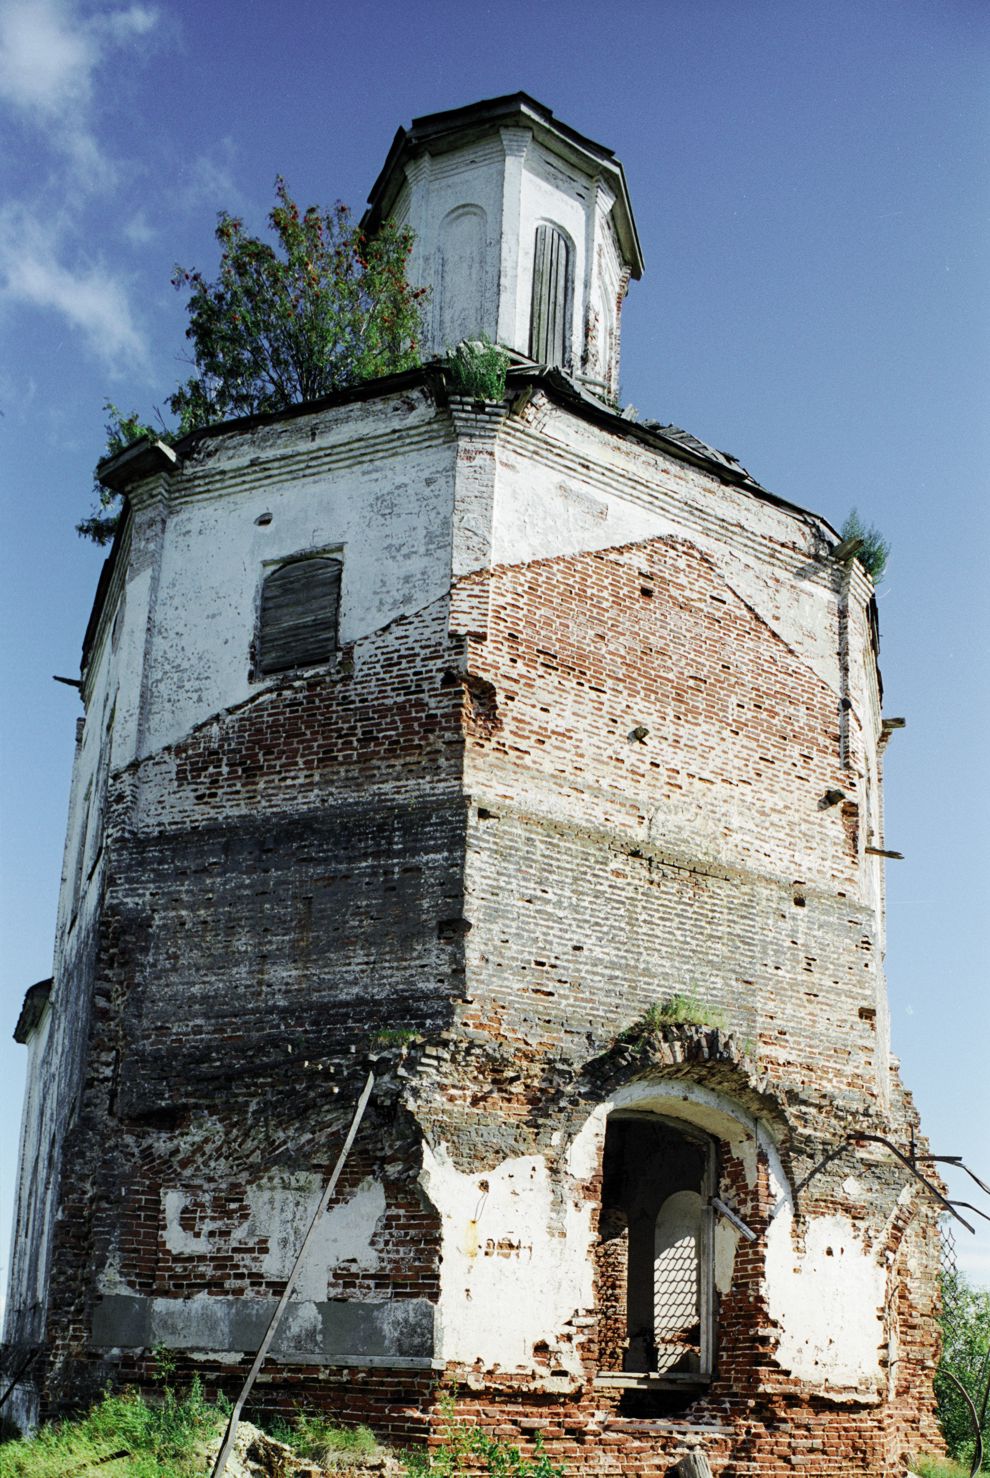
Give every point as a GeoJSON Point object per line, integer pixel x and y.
{"type": "Point", "coordinates": [146, 457]}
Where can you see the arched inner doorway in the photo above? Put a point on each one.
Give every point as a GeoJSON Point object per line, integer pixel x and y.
{"type": "Point", "coordinates": [655, 1264]}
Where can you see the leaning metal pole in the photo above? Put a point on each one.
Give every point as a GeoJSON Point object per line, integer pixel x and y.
{"type": "Point", "coordinates": [219, 1467]}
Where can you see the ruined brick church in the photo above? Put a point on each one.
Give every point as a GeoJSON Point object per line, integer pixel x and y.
{"type": "Point", "coordinates": [530, 755]}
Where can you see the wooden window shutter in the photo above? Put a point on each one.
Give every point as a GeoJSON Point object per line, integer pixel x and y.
{"type": "Point", "coordinates": [299, 608]}
{"type": "Point", "coordinates": [551, 297]}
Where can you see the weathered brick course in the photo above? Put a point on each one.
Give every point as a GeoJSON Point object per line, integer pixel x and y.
{"type": "Point", "coordinates": [473, 852]}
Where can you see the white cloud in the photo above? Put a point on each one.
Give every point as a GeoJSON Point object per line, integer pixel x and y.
{"type": "Point", "coordinates": [91, 169]}
{"type": "Point", "coordinates": [46, 63]}
{"type": "Point", "coordinates": [17, 393]}
{"type": "Point", "coordinates": [138, 231]}
{"type": "Point", "coordinates": [209, 179]}
{"type": "Point", "coordinates": [137, 20]}
{"type": "Point", "coordinates": [88, 299]}
{"type": "Point", "coordinates": [86, 294]}
{"type": "Point", "coordinates": [50, 55]}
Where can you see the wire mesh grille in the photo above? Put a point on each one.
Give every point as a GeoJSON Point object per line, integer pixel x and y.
{"type": "Point", "coordinates": [675, 1302]}
{"type": "Point", "coordinates": [948, 1263]}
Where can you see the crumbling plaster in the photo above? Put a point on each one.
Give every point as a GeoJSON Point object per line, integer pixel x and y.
{"type": "Point", "coordinates": [512, 506]}
{"type": "Point", "coordinates": [469, 491]}
{"type": "Point", "coordinates": [281, 1210]}
{"type": "Point", "coordinates": [324, 492]}
{"type": "Point", "coordinates": [518, 1240]}
{"type": "Point", "coordinates": [562, 489]}
{"type": "Point", "coordinates": [515, 1268]}
{"type": "Point", "coordinates": [508, 506]}
{"type": "Point", "coordinates": [602, 729]}
{"type": "Point", "coordinates": [34, 1202]}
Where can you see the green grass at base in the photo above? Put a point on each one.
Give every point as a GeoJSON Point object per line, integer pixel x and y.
{"type": "Point", "coordinates": [164, 1440]}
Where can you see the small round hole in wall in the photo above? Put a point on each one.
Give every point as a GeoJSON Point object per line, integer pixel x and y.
{"type": "Point", "coordinates": [263, 520]}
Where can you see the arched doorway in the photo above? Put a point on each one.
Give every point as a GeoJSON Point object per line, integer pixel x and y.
{"type": "Point", "coordinates": [654, 1255]}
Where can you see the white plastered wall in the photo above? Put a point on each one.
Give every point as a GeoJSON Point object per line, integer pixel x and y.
{"type": "Point", "coordinates": [562, 486]}
{"type": "Point", "coordinates": [555, 194]}
{"type": "Point", "coordinates": [566, 487]}
{"type": "Point", "coordinates": [474, 212]}
{"type": "Point", "coordinates": [370, 483]}
{"type": "Point", "coordinates": [514, 1270]}
{"type": "Point", "coordinates": [825, 1293]}
{"type": "Point", "coordinates": [518, 1244]}
{"type": "Point", "coordinates": [33, 1196]}
{"type": "Point", "coordinates": [453, 201]}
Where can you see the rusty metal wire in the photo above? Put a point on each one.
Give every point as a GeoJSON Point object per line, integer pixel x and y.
{"type": "Point", "coordinates": [948, 1259]}
{"type": "Point", "coordinates": [971, 1385]}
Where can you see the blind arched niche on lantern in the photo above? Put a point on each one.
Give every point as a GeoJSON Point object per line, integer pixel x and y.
{"type": "Point", "coordinates": [462, 275]}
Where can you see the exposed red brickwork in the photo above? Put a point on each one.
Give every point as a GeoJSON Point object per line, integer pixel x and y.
{"type": "Point", "coordinates": [658, 762]}
{"type": "Point", "coordinates": [702, 901]}
{"type": "Point", "coordinates": [507, 845]}
{"type": "Point", "coordinates": [611, 1278]}
{"type": "Point", "coordinates": [276, 879]}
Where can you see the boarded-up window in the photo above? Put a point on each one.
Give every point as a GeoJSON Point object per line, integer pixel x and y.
{"type": "Point", "coordinates": [299, 607]}
{"type": "Point", "coordinates": [548, 334]}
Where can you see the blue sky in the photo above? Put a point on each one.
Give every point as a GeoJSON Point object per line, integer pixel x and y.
{"type": "Point", "coordinates": [810, 184]}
